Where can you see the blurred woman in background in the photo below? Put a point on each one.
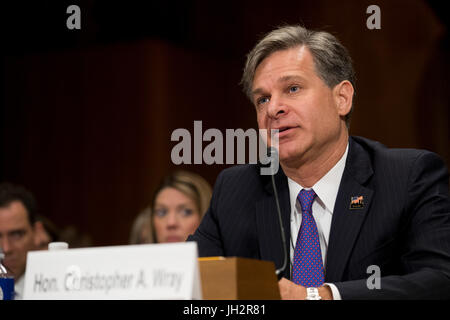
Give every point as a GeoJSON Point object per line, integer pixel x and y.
{"type": "Point", "coordinates": [177, 207]}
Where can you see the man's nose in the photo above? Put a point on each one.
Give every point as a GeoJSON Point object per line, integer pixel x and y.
{"type": "Point", "coordinates": [276, 107]}
{"type": "Point", "coordinates": [5, 245]}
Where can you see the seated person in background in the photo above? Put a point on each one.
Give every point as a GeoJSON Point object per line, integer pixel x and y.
{"type": "Point", "coordinates": [45, 232]}
{"type": "Point", "coordinates": [178, 205]}
{"type": "Point", "coordinates": [141, 231]}
{"type": "Point", "coordinates": [74, 237]}
{"type": "Point", "coordinates": [17, 231]}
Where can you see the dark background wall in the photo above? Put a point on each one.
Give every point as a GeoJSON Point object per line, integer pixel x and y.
{"type": "Point", "coordinates": [87, 115]}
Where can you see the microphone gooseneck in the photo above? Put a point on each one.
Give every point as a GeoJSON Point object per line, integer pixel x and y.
{"type": "Point", "coordinates": [279, 271]}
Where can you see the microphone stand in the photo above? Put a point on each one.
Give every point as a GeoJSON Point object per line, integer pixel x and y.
{"type": "Point", "coordinates": [279, 271]}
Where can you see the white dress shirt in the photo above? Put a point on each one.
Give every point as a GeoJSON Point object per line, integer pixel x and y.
{"type": "Point", "coordinates": [326, 190]}
{"type": "Point", "coordinates": [19, 287]}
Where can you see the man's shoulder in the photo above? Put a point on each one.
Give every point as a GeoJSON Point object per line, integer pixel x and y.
{"type": "Point", "coordinates": [381, 153]}
{"type": "Point", "coordinates": [394, 164]}
{"type": "Point", "coordinates": [240, 183]}
{"type": "Point", "coordinates": [239, 172]}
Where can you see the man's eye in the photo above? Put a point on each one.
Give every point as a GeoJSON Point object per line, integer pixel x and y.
{"type": "Point", "coordinates": [294, 88]}
{"type": "Point", "coordinates": [262, 100]}
{"type": "Point", "coordinates": [17, 235]}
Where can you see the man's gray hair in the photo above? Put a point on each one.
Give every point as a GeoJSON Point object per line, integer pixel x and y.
{"type": "Point", "coordinates": [332, 61]}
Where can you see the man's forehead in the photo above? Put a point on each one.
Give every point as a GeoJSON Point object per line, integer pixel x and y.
{"type": "Point", "coordinates": [284, 64]}
{"type": "Point", "coordinates": [286, 56]}
{"type": "Point", "coordinates": [13, 216]}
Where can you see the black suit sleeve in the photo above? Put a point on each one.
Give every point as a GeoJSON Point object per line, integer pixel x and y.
{"type": "Point", "coordinates": [207, 235]}
{"type": "Point", "coordinates": [425, 254]}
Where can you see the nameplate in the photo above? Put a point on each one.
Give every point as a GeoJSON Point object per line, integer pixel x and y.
{"type": "Point", "coordinates": [150, 271]}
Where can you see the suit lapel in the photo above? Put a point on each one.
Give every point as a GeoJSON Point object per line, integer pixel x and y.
{"type": "Point", "coordinates": [267, 222]}
{"type": "Point", "coordinates": [347, 221]}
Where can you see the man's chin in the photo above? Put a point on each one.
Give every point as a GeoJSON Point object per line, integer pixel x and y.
{"type": "Point", "coordinates": [290, 157]}
{"type": "Point", "coordinates": [14, 272]}
{"type": "Point", "coordinates": [288, 154]}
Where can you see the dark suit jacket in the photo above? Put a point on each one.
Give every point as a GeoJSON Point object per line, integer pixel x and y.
{"type": "Point", "coordinates": [403, 226]}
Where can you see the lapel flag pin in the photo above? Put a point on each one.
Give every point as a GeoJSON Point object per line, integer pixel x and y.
{"type": "Point", "coordinates": [357, 202]}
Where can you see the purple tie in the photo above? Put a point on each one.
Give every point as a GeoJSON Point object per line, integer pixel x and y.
{"type": "Point", "coordinates": [308, 267]}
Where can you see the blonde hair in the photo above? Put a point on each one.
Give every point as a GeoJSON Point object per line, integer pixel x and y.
{"type": "Point", "coordinates": [192, 185]}
{"type": "Point", "coordinates": [142, 220]}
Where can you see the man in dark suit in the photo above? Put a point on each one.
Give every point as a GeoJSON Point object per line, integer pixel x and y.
{"type": "Point", "coordinates": [349, 205]}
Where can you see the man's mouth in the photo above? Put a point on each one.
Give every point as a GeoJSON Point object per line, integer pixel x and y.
{"type": "Point", "coordinates": [283, 131]}
{"type": "Point", "coordinates": [9, 263]}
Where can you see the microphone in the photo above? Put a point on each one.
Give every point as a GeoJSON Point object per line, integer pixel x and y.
{"type": "Point", "coordinates": [274, 157]}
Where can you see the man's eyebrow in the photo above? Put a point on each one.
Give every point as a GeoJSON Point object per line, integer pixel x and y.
{"type": "Point", "coordinates": [290, 77]}
{"type": "Point", "coordinates": [16, 231]}
{"type": "Point", "coordinates": [257, 91]}
{"type": "Point", "coordinates": [12, 232]}
{"type": "Point", "coordinates": [282, 79]}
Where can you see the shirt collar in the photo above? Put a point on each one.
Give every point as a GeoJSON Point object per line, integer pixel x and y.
{"type": "Point", "coordinates": [326, 188]}
{"type": "Point", "coordinates": [19, 287]}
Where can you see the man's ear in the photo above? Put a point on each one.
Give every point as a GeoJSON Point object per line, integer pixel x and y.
{"type": "Point", "coordinates": [39, 231]}
{"type": "Point", "coordinates": [38, 226]}
{"type": "Point", "coordinates": [343, 95]}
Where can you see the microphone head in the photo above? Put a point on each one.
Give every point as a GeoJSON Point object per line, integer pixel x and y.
{"type": "Point", "coordinates": [272, 151]}
{"type": "Point", "coordinates": [274, 160]}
